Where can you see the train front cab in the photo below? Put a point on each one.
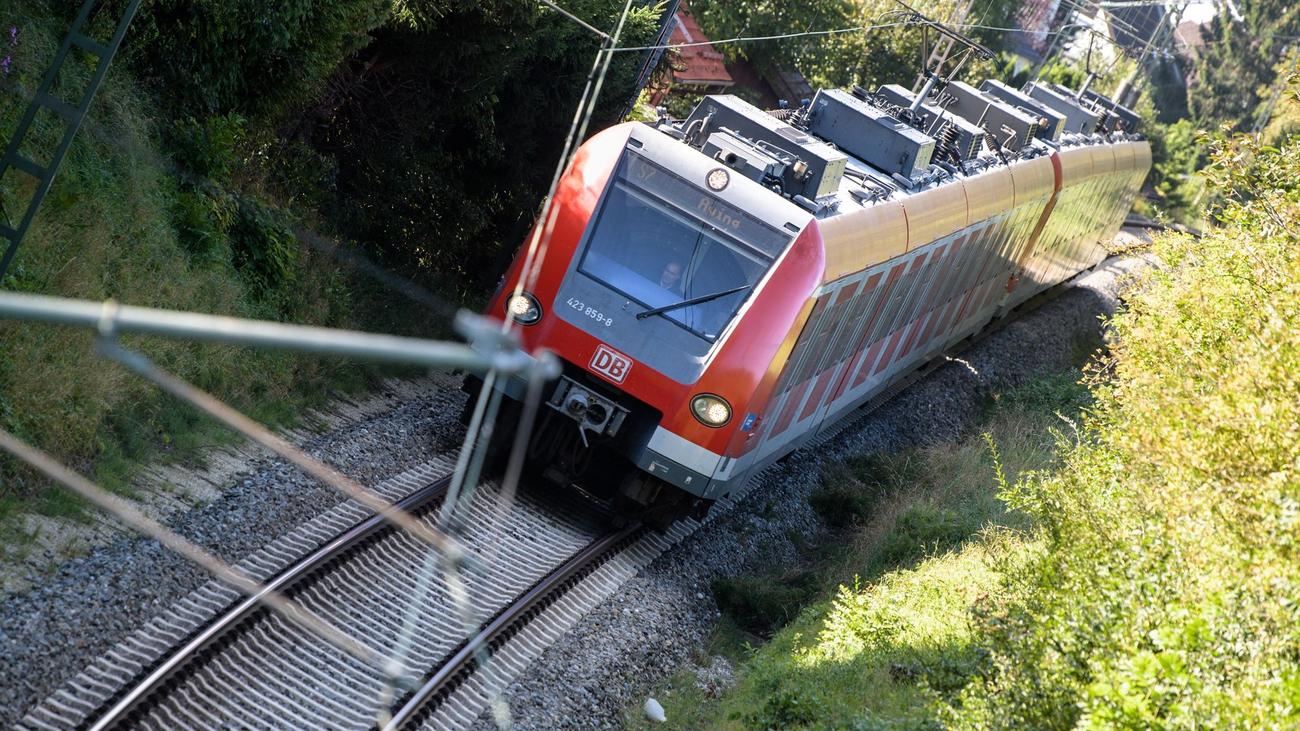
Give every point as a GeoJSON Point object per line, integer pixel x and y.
{"type": "Point", "coordinates": [644, 224]}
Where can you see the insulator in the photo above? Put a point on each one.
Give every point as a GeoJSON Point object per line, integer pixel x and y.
{"type": "Point", "coordinates": [947, 143]}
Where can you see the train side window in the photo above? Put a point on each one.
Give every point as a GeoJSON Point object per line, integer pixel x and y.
{"type": "Point", "coordinates": [800, 352]}
{"type": "Point", "coordinates": [818, 343]}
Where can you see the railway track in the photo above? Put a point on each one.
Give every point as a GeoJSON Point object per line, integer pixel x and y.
{"type": "Point", "coordinates": [132, 707]}
{"type": "Point", "coordinates": [438, 688]}
{"type": "Point", "coordinates": [248, 668]}
{"type": "Point", "coordinates": [254, 669]}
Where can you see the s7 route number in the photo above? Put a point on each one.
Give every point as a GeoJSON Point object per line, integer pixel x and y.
{"type": "Point", "coordinates": [590, 311]}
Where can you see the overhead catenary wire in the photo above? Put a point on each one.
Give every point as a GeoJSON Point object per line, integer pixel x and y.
{"type": "Point", "coordinates": [535, 255]}
{"type": "Point", "coordinates": [751, 39]}
{"type": "Point", "coordinates": [835, 31]}
{"type": "Point", "coordinates": [574, 18]}
{"type": "Point", "coordinates": [227, 574]}
{"type": "Point", "coordinates": [482, 421]}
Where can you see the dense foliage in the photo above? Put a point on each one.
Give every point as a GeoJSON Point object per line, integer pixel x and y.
{"type": "Point", "coordinates": [880, 54]}
{"type": "Point", "coordinates": [259, 59]}
{"type": "Point", "coordinates": [447, 127]}
{"type": "Point", "coordinates": [1173, 187]}
{"type": "Point", "coordinates": [1237, 64]}
{"type": "Point", "coordinates": [118, 223]}
{"type": "Point", "coordinates": [231, 133]}
{"type": "Point", "coordinates": [1168, 593]}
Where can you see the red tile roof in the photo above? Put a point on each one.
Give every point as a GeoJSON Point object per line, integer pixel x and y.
{"type": "Point", "coordinates": [704, 65]}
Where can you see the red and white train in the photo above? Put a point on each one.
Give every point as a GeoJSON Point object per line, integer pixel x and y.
{"type": "Point", "coordinates": [722, 289]}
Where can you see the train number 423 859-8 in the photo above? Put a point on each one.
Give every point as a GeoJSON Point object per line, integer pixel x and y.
{"type": "Point", "coordinates": [590, 311]}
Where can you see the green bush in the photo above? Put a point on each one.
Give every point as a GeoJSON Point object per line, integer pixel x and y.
{"type": "Point", "coordinates": [446, 148]}
{"type": "Point", "coordinates": [209, 148]}
{"type": "Point", "coordinates": [265, 60]}
{"type": "Point", "coordinates": [1061, 393]}
{"type": "Point", "coordinates": [201, 225]}
{"type": "Point", "coordinates": [852, 490]}
{"type": "Point", "coordinates": [1168, 593]}
{"type": "Point", "coordinates": [118, 223]}
{"type": "Point", "coordinates": [923, 530]}
{"type": "Point", "coordinates": [1176, 156]}
{"type": "Point", "coordinates": [264, 245]}
{"type": "Point", "coordinates": [842, 504]}
{"type": "Point", "coordinates": [783, 710]}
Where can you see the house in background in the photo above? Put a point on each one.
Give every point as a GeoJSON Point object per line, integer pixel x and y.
{"type": "Point", "coordinates": [703, 69]}
{"type": "Point", "coordinates": [1037, 19]}
{"type": "Point", "coordinates": [1189, 39]}
{"type": "Point", "coordinates": [696, 68]}
{"type": "Point", "coordinates": [1135, 25]}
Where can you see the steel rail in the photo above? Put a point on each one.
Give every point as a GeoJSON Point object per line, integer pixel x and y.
{"type": "Point", "coordinates": [507, 623]}
{"type": "Point", "coordinates": [120, 713]}
{"type": "Point", "coordinates": [463, 661]}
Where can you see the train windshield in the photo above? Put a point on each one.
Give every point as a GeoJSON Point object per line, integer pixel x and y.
{"type": "Point", "coordinates": [660, 241]}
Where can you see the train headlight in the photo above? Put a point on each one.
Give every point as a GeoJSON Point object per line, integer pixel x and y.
{"type": "Point", "coordinates": [711, 410]}
{"type": "Point", "coordinates": [523, 308]}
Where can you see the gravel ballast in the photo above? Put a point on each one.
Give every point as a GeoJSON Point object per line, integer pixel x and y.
{"type": "Point", "coordinates": [618, 652]}
{"type": "Point", "coordinates": [50, 633]}
{"type": "Point", "coordinates": [661, 619]}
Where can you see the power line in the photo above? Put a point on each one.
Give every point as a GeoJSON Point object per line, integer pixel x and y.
{"type": "Point", "coordinates": [746, 39]}
{"type": "Point", "coordinates": [836, 31]}
{"type": "Point", "coordinates": [576, 19]}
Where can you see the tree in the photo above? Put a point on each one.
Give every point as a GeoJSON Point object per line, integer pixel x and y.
{"type": "Point", "coordinates": [447, 126]}
{"type": "Point", "coordinates": [258, 59]}
{"type": "Point", "coordinates": [1238, 61]}
{"type": "Point", "coordinates": [869, 57]}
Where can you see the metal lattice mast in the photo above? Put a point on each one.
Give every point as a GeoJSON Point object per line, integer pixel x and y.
{"type": "Point", "coordinates": [71, 115]}
{"type": "Point", "coordinates": [943, 47]}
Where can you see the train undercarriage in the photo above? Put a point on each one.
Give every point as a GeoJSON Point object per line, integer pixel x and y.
{"type": "Point", "coordinates": [578, 443]}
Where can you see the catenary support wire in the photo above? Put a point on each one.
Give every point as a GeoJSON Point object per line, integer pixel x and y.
{"type": "Point", "coordinates": [227, 574]}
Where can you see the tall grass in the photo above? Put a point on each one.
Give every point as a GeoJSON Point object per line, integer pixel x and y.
{"type": "Point", "coordinates": [115, 226]}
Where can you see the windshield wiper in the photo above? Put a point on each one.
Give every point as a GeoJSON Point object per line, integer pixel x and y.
{"type": "Point", "coordinates": [687, 303]}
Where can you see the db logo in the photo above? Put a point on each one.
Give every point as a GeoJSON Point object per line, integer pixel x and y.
{"type": "Point", "coordinates": [611, 364]}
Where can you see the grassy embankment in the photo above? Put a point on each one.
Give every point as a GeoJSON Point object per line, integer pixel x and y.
{"type": "Point", "coordinates": [119, 223]}
{"type": "Point", "coordinates": [1145, 576]}
{"type": "Point", "coordinates": [878, 610]}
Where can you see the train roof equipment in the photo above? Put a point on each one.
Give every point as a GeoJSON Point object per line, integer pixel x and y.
{"type": "Point", "coordinates": [792, 161]}
{"type": "Point", "coordinates": [1079, 118]}
{"type": "Point", "coordinates": [870, 134]}
{"type": "Point", "coordinates": [1130, 118]}
{"type": "Point", "coordinates": [1013, 128]}
{"type": "Point", "coordinates": [954, 135]}
{"type": "Point", "coordinates": [1051, 123]}
{"type": "Point", "coordinates": [866, 146]}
